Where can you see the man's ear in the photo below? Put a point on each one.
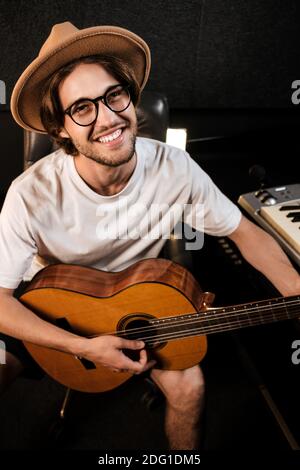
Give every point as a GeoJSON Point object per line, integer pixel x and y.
{"type": "Point", "coordinates": [63, 133]}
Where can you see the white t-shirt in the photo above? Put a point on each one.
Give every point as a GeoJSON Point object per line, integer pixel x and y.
{"type": "Point", "coordinates": [50, 215]}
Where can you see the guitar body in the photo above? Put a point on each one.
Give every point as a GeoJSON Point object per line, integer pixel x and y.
{"type": "Point", "coordinates": [89, 302]}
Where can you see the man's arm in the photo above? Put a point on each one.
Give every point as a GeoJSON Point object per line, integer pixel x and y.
{"type": "Point", "coordinates": [18, 321]}
{"type": "Point", "coordinates": [263, 252]}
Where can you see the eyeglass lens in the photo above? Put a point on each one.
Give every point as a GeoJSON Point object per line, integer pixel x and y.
{"type": "Point", "coordinates": [85, 112]}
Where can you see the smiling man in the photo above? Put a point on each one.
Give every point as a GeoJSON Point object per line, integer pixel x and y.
{"type": "Point", "coordinates": [82, 90]}
{"type": "Point", "coordinates": [102, 129]}
{"type": "Point", "coordinates": [115, 131]}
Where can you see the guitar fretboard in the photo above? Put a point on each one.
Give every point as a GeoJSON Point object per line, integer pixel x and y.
{"type": "Point", "coordinates": [221, 319]}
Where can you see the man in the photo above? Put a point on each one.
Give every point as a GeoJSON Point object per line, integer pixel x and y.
{"type": "Point", "coordinates": [82, 89]}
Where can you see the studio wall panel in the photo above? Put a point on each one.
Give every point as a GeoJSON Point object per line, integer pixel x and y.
{"type": "Point", "coordinates": [205, 53]}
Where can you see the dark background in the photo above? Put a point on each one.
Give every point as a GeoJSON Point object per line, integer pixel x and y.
{"type": "Point", "coordinates": [227, 69]}
{"type": "Point", "coordinates": [206, 54]}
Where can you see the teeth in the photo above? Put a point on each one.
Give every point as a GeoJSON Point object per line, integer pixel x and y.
{"type": "Point", "coordinates": [110, 137]}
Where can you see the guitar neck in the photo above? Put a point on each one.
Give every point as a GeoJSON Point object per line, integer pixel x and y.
{"type": "Point", "coordinates": [224, 319]}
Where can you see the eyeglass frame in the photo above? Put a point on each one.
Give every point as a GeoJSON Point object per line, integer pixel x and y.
{"type": "Point", "coordinates": [95, 101]}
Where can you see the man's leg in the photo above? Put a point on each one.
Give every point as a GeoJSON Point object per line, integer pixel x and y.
{"type": "Point", "coordinates": [184, 391]}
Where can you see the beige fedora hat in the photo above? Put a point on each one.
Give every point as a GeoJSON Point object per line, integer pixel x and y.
{"type": "Point", "coordinates": [64, 44]}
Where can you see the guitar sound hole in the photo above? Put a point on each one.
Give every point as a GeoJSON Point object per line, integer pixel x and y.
{"type": "Point", "coordinates": [139, 327]}
{"type": "Point", "coordinates": [139, 324]}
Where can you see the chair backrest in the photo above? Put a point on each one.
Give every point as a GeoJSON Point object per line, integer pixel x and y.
{"type": "Point", "coordinates": [152, 116]}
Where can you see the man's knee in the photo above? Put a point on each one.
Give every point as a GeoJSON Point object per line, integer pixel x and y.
{"type": "Point", "coordinates": [9, 371]}
{"type": "Point", "coordinates": [184, 388]}
{"type": "Point", "coordinates": [190, 389]}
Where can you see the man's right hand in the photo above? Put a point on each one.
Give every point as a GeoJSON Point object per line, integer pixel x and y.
{"type": "Point", "coordinates": [108, 351]}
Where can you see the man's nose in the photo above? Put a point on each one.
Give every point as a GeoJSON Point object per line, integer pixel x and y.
{"type": "Point", "coordinates": [106, 116]}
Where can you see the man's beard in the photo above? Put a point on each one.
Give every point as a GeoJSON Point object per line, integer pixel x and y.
{"type": "Point", "coordinates": [117, 160]}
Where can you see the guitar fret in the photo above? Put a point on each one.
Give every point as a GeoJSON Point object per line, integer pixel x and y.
{"type": "Point", "coordinates": [287, 312]}
{"type": "Point", "coordinates": [273, 313]}
{"type": "Point", "coordinates": [241, 318]}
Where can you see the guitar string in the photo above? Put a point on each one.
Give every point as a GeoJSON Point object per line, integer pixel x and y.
{"type": "Point", "coordinates": [195, 332]}
{"type": "Point", "coordinates": [200, 331]}
{"type": "Point", "coordinates": [207, 317]}
{"type": "Point", "coordinates": [201, 317]}
{"type": "Point", "coordinates": [213, 328]}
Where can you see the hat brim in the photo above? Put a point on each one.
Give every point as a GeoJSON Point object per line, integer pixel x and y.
{"type": "Point", "coordinates": [109, 40]}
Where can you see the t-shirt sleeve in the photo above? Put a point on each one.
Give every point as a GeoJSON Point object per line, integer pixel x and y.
{"type": "Point", "coordinates": [209, 210]}
{"type": "Point", "coordinates": [17, 245]}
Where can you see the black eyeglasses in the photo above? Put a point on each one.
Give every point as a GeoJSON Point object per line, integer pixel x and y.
{"type": "Point", "coordinates": [84, 112]}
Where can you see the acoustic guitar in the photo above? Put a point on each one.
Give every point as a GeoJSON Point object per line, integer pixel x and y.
{"type": "Point", "coordinates": [154, 300]}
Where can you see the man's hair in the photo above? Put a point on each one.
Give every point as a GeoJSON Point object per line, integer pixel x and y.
{"type": "Point", "coordinates": [52, 113]}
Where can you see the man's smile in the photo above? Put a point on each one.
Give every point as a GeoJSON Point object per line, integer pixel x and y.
{"type": "Point", "coordinates": [113, 139]}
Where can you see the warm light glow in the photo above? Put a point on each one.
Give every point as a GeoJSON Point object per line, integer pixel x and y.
{"type": "Point", "coordinates": [177, 138]}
